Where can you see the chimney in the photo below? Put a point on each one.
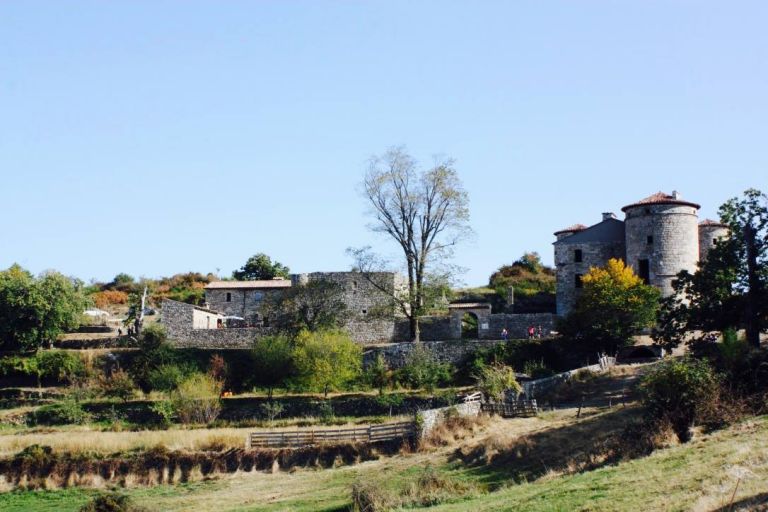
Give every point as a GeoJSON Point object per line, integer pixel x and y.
{"type": "Point", "coordinates": [608, 215]}
{"type": "Point", "coordinates": [676, 194]}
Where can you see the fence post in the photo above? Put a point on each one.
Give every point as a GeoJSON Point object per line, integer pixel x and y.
{"type": "Point", "coordinates": [581, 404]}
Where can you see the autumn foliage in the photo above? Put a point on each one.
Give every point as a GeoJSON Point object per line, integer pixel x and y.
{"type": "Point", "coordinates": [615, 304]}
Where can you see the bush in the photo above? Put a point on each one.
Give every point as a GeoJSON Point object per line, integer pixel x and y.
{"type": "Point", "coordinates": [197, 399]}
{"type": "Point", "coordinates": [65, 412]}
{"type": "Point", "coordinates": [54, 366]}
{"type": "Point", "coordinates": [111, 502]}
{"type": "Point", "coordinates": [118, 385]}
{"type": "Point", "coordinates": [371, 497]}
{"type": "Point", "coordinates": [495, 379]}
{"type": "Point", "coordinates": [422, 370]}
{"type": "Point", "coordinates": [167, 377]}
{"type": "Point", "coordinates": [165, 411]}
{"type": "Point", "coordinates": [680, 391]}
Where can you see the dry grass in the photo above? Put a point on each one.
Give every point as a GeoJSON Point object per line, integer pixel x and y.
{"type": "Point", "coordinates": [84, 439]}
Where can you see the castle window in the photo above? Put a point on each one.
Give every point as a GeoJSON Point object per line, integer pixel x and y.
{"type": "Point", "coordinates": [365, 311]}
{"type": "Point", "coordinates": [649, 240]}
{"type": "Point", "coordinates": [644, 270]}
{"type": "Point", "coordinates": [577, 256]}
{"type": "Point", "coordinates": [577, 281]}
{"type": "Point", "coordinates": [229, 297]}
{"type": "Point", "coordinates": [647, 211]}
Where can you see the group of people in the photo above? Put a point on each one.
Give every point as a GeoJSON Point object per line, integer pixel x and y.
{"type": "Point", "coordinates": [533, 332]}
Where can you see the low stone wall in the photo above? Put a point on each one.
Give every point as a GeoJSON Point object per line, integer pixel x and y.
{"type": "Point", "coordinates": [531, 387]}
{"type": "Point", "coordinates": [220, 338]}
{"type": "Point", "coordinates": [444, 351]}
{"type": "Point", "coordinates": [429, 419]}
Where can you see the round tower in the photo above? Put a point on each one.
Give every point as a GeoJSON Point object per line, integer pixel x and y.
{"type": "Point", "coordinates": [710, 232]}
{"type": "Point", "coordinates": [662, 238]}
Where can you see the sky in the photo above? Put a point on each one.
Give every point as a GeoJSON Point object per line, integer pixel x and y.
{"type": "Point", "coordinates": [160, 137]}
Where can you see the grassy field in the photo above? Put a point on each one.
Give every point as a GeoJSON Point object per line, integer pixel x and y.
{"type": "Point", "coordinates": [701, 475]}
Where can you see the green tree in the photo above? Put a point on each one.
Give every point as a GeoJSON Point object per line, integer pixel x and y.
{"type": "Point", "coordinates": [614, 305]}
{"type": "Point", "coordinates": [35, 311]}
{"type": "Point", "coordinates": [260, 266]}
{"type": "Point", "coordinates": [426, 213]}
{"type": "Point", "coordinates": [326, 360]}
{"type": "Point", "coordinates": [730, 289]}
{"type": "Point", "coordinates": [314, 306]}
{"type": "Point", "coordinates": [272, 362]}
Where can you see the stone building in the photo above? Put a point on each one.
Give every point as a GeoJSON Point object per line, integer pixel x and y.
{"type": "Point", "coordinates": [371, 317]}
{"type": "Point", "coordinates": [659, 237]}
{"type": "Point", "coordinates": [242, 299]}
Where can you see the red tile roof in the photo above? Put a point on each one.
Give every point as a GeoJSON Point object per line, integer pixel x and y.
{"type": "Point", "coordinates": [660, 198]}
{"type": "Point", "coordinates": [571, 229]}
{"type": "Point", "coordinates": [227, 285]}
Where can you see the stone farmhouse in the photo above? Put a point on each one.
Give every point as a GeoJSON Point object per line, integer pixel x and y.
{"type": "Point", "coordinates": [659, 237]}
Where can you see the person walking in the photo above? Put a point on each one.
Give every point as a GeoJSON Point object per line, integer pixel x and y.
{"type": "Point", "coordinates": [504, 334]}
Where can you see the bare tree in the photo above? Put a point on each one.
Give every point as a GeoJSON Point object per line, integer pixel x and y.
{"type": "Point", "coordinates": [425, 212]}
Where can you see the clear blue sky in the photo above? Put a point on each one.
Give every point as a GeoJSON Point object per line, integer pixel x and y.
{"type": "Point", "coordinates": [160, 137]}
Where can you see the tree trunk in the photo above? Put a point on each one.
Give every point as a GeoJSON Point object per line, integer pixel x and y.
{"type": "Point", "coordinates": [751, 308]}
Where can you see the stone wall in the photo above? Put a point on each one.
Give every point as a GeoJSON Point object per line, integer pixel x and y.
{"type": "Point", "coordinates": [431, 418]}
{"type": "Point", "coordinates": [453, 352]}
{"type": "Point", "coordinates": [437, 328]}
{"type": "Point", "coordinates": [220, 338]}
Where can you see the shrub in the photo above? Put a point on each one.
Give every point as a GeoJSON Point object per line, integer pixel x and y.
{"type": "Point", "coordinates": [422, 370]}
{"type": "Point", "coordinates": [65, 412]}
{"type": "Point", "coordinates": [432, 488]}
{"type": "Point", "coordinates": [167, 377]}
{"type": "Point", "coordinates": [117, 385]}
{"type": "Point", "coordinates": [197, 399]}
{"type": "Point", "coordinates": [377, 374]}
{"type": "Point", "coordinates": [371, 497]}
{"type": "Point", "coordinates": [680, 391]}
{"type": "Point", "coordinates": [271, 410]}
{"type": "Point", "coordinates": [165, 411]}
{"type": "Point", "coordinates": [111, 502]}
{"type": "Point", "coordinates": [495, 379]}
{"type": "Point", "coordinates": [59, 366]}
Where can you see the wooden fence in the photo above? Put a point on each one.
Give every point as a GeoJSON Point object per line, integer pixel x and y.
{"type": "Point", "coordinates": [296, 438]}
{"type": "Point", "coordinates": [516, 409]}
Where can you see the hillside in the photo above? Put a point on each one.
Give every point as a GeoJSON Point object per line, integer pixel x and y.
{"type": "Point", "coordinates": [556, 453]}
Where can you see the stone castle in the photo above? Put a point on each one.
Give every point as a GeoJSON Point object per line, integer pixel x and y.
{"type": "Point", "coordinates": [659, 237]}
